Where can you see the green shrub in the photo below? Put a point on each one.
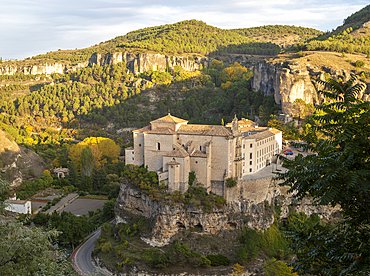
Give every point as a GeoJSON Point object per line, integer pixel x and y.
{"type": "Point", "coordinates": [219, 259]}
{"type": "Point", "coordinates": [359, 63]}
{"type": "Point", "coordinates": [107, 247]}
{"type": "Point", "coordinates": [191, 178]}
{"type": "Point", "coordinates": [365, 74]}
{"type": "Point", "coordinates": [250, 238]}
{"type": "Point", "coordinates": [230, 182]}
{"type": "Point", "coordinates": [177, 256]}
{"type": "Point", "coordinates": [272, 241]}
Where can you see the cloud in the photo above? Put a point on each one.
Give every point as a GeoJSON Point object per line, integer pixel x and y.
{"type": "Point", "coordinates": [36, 27]}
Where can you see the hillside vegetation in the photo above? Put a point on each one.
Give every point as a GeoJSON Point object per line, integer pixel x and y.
{"type": "Point", "coordinates": [108, 95]}
{"type": "Point", "coordinates": [283, 35]}
{"type": "Point", "coordinates": [191, 37]}
{"type": "Point", "coordinates": [352, 37]}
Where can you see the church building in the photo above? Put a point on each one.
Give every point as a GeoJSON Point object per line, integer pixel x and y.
{"type": "Point", "coordinates": [173, 148]}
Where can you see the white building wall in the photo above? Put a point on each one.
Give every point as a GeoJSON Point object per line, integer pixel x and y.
{"type": "Point", "coordinates": [21, 208]}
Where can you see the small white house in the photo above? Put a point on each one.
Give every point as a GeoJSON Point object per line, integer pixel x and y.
{"type": "Point", "coordinates": [18, 206]}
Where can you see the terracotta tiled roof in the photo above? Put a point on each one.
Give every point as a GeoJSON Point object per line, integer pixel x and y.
{"type": "Point", "coordinates": [197, 153]}
{"type": "Point", "coordinates": [206, 130]}
{"type": "Point", "coordinates": [161, 130]}
{"type": "Point", "coordinates": [157, 130]}
{"type": "Point", "coordinates": [262, 135]}
{"type": "Point", "coordinates": [16, 201]}
{"type": "Point", "coordinates": [254, 129]}
{"type": "Point", "coordinates": [144, 129]}
{"type": "Point", "coordinates": [169, 119]}
{"type": "Point", "coordinates": [275, 131]}
{"type": "Point", "coordinates": [130, 148]}
{"type": "Point", "coordinates": [177, 152]}
{"type": "Point", "coordinates": [243, 123]}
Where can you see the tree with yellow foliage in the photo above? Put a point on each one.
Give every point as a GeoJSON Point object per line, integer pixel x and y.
{"type": "Point", "coordinates": [234, 73]}
{"type": "Point", "coordinates": [103, 149]}
{"type": "Point", "coordinates": [238, 270]}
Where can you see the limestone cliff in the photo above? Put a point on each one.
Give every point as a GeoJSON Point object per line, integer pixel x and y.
{"type": "Point", "coordinates": [286, 81]}
{"type": "Point", "coordinates": [147, 61]}
{"type": "Point", "coordinates": [292, 79]}
{"type": "Point", "coordinates": [18, 163]}
{"type": "Point", "coordinates": [250, 204]}
{"type": "Point", "coordinates": [136, 64]}
{"type": "Point", "coordinates": [42, 68]}
{"type": "Point", "coordinates": [169, 219]}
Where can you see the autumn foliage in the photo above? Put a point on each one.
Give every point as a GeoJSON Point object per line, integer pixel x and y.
{"type": "Point", "coordinates": [103, 149]}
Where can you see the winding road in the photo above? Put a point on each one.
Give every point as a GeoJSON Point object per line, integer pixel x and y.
{"type": "Point", "coordinates": [81, 258]}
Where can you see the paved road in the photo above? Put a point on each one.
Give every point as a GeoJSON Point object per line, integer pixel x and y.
{"type": "Point", "coordinates": [81, 258]}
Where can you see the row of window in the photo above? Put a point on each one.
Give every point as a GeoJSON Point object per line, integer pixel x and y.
{"type": "Point", "coordinates": [250, 145]}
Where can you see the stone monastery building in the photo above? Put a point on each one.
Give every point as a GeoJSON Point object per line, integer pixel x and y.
{"type": "Point", "coordinates": [173, 148]}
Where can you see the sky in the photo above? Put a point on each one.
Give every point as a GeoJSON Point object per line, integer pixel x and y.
{"type": "Point", "coordinates": [29, 28]}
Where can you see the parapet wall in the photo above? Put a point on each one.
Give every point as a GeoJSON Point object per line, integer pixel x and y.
{"type": "Point", "coordinates": [257, 190]}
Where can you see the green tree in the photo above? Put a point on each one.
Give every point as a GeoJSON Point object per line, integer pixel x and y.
{"type": "Point", "coordinates": [27, 250]}
{"type": "Point", "coordinates": [336, 173]}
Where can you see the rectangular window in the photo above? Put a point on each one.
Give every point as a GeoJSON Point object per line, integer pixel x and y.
{"type": "Point", "coordinates": [250, 156]}
{"type": "Point", "coordinates": [250, 145]}
{"type": "Point", "coordinates": [250, 162]}
{"type": "Point", "coordinates": [250, 170]}
{"type": "Point", "coordinates": [244, 146]}
{"type": "Point", "coordinates": [158, 146]}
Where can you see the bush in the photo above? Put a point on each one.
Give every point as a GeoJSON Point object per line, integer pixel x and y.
{"type": "Point", "coordinates": [230, 182]}
{"type": "Point", "coordinates": [359, 63]}
{"type": "Point", "coordinates": [107, 247]}
{"type": "Point", "coordinates": [219, 259]}
{"type": "Point", "coordinates": [177, 256]}
{"type": "Point", "coordinates": [250, 238]}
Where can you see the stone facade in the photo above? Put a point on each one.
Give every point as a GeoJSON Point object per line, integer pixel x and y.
{"type": "Point", "coordinates": [173, 148]}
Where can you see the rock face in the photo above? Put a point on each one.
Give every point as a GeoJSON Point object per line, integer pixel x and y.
{"type": "Point", "coordinates": [135, 63]}
{"type": "Point", "coordinates": [6, 144]}
{"type": "Point", "coordinates": [46, 69]}
{"type": "Point", "coordinates": [286, 81]}
{"type": "Point", "coordinates": [248, 204]}
{"type": "Point", "coordinates": [169, 219]}
{"type": "Point", "coordinates": [147, 61]}
{"type": "Point", "coordinates": [291, 80]}
{"type": "Point", "coordinates": [16, 162]}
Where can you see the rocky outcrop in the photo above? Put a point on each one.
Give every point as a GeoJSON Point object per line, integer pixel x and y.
{"type": "Point", "coordinates": [39, 69]}
{"type": "Point", "coordinates": [135, 63]}
{"type": "Point", "coordinates": [169, 219]}
{"type": "Point", "coordinates": [6, 143]}
{"type": "Point", "coordinates": [147, 61]}
{"type": "Point", "coordinates": [291, 80]}
{"type": "Point", "coordinates": [17, 162]}
{"type": "Point", "coordinates": [286, 81]}
{"type": "Point", "coordinates": [244, 208]}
